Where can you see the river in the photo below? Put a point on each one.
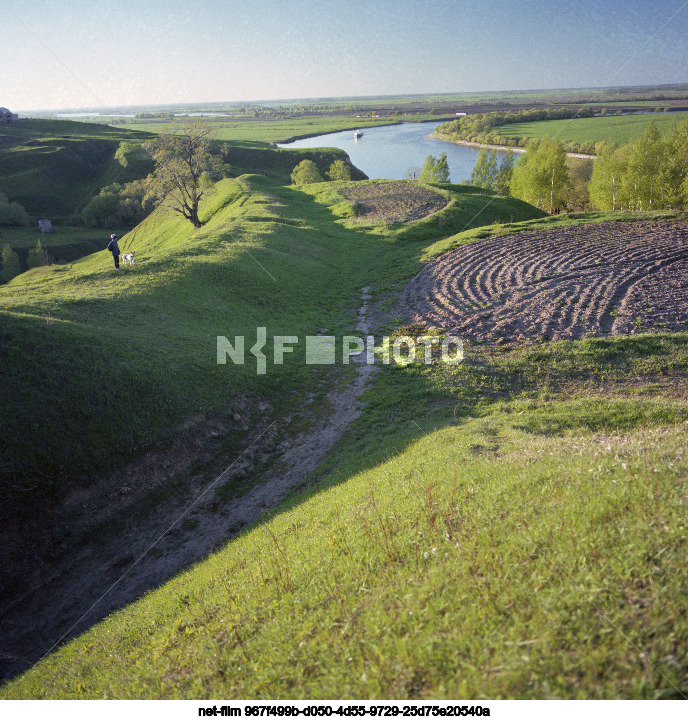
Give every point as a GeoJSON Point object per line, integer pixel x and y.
{"type": "Point", "coordinates": [389, 151]}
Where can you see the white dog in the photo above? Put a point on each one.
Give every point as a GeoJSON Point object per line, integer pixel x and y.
{"type": "Point", "coordinates": [128, 258]}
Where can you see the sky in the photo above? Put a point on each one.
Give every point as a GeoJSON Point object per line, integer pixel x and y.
{"type": "Point", "coordinates": [92, 53]}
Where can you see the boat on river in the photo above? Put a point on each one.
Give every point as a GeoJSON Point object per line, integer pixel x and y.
{"type": "Point", "coordinates": [358, 134]}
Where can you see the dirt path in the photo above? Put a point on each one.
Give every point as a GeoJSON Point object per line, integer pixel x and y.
{"type": "Point", "coordinates": [566, 283]}
{"type": "Point", "coordinates": [74, 593]}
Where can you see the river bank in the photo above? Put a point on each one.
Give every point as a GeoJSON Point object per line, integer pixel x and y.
{"type": "Point", "coordinates": [503, 148]}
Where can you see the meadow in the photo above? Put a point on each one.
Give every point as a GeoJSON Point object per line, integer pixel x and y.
{"type": "Point", "coordinates": [610, 128]}
{"type": "Point", "coordinates": [286, 130]}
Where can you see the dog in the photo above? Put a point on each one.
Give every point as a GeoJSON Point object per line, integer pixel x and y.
{"type": "Point", "coordinates": [128, 258]}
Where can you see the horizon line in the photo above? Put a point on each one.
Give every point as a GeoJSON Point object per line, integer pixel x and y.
{"type": "Point", "coordinates": [342, 98]}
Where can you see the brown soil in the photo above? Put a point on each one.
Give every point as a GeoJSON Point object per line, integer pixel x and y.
{"type": "Point", "coordinates": [576, 282]}
{"type": "Point", "coordinates": [395, 202]}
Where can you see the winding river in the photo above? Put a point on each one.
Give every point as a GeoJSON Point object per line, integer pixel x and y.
{"type": "Point", "coordinates": [389, 151]}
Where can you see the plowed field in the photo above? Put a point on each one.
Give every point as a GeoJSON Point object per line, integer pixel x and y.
{"type": "Point", "coordinates": [575, 282]}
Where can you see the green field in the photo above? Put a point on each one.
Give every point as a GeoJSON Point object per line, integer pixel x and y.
{"type": "Point", "coordinates": [618, 129]}
{"type": "Point", "coordinates": [203, 286]}
{"type": "Point", "coordinates": [512, 526]}
{"type": "Point", "coordinates": [281, 131]}
{"type": "Point", "coordinates": [509, 527]}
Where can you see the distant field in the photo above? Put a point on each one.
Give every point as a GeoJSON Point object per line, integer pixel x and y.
{"type": "Point", "coordinates": [279, 131]}
{"type": "Point", "coordinates": [616, 128]}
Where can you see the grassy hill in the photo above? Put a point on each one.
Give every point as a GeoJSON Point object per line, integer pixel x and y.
{"type": "Point", "coordinates": [508, 527]}
{"type": "Point", "coordinates": [53, 166]}
{"type": "Point", "coordinates": [89, 349]}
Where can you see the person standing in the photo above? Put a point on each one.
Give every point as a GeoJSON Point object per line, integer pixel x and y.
{"type": "Point", "coordinates": [114, 249]}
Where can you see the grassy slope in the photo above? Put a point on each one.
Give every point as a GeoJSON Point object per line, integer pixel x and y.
{"type": "Point", "coordinates": [619, 129]}
{"type": "Point", "coordinates": [91, 355]}
{"type": "Point", "coordinates": [529, 545]}
{"type": "Point", "coordinates": [53, 166]}
{"type": "Point", "coordinates": [508, 527]}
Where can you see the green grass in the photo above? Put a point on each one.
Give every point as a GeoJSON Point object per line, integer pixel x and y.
{"type": "Point", "coordinates": [77, 336]}
{"type": "Point", "coordinates": [618, 129]}
{"type": "Point", "coordinates": [528, 546]}
{"type": "Point", "coordinates": [511, 527]}
{"type": "Point", "coordinates": [52, 167]}
{"type": "Point", "coordinates": [282, 131]}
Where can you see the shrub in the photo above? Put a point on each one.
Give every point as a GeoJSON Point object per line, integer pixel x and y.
{"type": "Point", "coordinates": [306, 172]}
{"type": "Point", "coordinates": [12, 213]}
{"type": "Point", "coordinates": [10, 264]}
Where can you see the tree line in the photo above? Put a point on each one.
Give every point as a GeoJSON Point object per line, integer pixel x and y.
{"type": "Point", "coordinates": [648, 173]}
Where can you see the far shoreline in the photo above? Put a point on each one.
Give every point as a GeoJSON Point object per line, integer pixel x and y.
{"type": "Point", "coordinates": [487, 146]}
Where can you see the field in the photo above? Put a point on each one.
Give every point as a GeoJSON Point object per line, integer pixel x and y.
{"type": "Point", "coordinates": [94, 347]}
{"type": "Point", "coordinates": [282, 131]}
{"type": "Point", "coordinates": [603, 279]}
{"type": "Point", "coordinates": [618, 129]}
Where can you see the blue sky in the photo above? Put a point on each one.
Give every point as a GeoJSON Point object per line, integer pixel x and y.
{"type": "Point", "coordinates": [86, 53]}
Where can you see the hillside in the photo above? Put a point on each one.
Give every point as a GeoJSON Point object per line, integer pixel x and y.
{"type": "Point", "coordinates": [509, 526]}
{"type": "Point", "coordinates": [52, 167]}
{"type": "Point", "coordinates": [104, 369]}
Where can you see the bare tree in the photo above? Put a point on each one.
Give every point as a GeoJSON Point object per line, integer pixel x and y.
{"type": "Point", "coordinates": [185, 169]}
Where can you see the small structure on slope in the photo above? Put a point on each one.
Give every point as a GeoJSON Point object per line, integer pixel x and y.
{"type": "Point", "coordinates": [7, 117]}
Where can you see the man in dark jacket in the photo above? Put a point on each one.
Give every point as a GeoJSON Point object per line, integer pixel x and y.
{"type": "Point", "coordinates": [114, 249]}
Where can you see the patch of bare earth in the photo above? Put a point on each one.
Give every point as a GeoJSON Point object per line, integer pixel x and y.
{"type": "Point", "coordinates": [566, 283]}
{"type": "Point", "coordinates": [392, 202]}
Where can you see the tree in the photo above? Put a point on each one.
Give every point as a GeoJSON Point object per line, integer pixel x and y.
{"type": "Point", "coordinates": [643, 181]}
{"type": "Point", "coordinates": [540, 177]}
{"type": "Point", "coordinates": [36, 256]}
{"type": "Point", "coordinates": [484, 173]}
{"type": "Point", "coordinates": [608, 171]}
{"type": "Point", "coordinates": [580, 171]}
{"type": "Point", "coordinates": [10, 264]}
{"type": "Point", "coordinates": [12, 213]}
{"type": "Point", "coordinates": [675, 170]}
{"type": "Point", "coordinates": [185, 169]}
{"type": "Point", "coordinates": [306, 172]}
{"type": "Point", "coordinates": [117, 205]}
{"type": "Point", "coordinates": [435, 170]}
{"type": "Point", "coordinates": [339, 170]}
{"type": "Point", "coordinates": [502, 182]}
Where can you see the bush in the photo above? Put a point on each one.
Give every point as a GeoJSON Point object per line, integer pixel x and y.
{"type": "Point", "coordinates": [339, 170]}
{"type": "Point", "coordinates": [36, 256]}
{"type": "Point", "coordinates": [117, 205]}
{"type": "Point", "coordinates": [12, 213]}
{"type": "Point", "coordinates": [306, 172]}
{"type": "Point", "coordinates": [10, 264]}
